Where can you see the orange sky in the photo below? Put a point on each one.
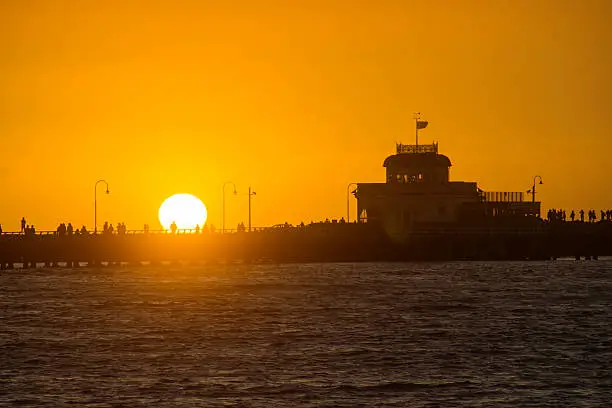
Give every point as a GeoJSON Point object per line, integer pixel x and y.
{"type": "Point", "coordinates": [296, 98]}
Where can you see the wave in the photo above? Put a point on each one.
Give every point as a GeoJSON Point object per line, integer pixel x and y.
{"type": "Point", "coordinates": [403, 386]}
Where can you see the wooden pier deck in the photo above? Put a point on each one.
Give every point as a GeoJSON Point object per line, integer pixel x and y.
{"type": "Point", "coordinates": [311, 243]}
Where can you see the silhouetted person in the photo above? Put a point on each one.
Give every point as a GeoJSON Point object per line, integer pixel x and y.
{"type": "Point", "coordinates": [0, 229]}
{"type": "Point", "coordinates": [69, 229]}
{"type": "Point", "coordinates": [173, 227]}
{"type": "Point", "coordinates": [197, 228]}
{"type": "Point", "coordinates": [146, 228]}
{"type": "Point", "coordinates": [572, 215]}
{"type": "Point", "coordinates": [83, 230]}
{"type": "Point", "coordinates": [105, 229]}
{"type": "Point", "coordinates": [32, 230]}
{"type": "Point", "coordinates": [23, 224]}
{"type": "Point", "coordinates": [111, 229]}
{"type": "Point", "coordinates": [582, 215]}
{"type": "Point", "coordinates": [212, 228]}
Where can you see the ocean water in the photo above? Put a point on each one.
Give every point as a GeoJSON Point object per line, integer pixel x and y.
{"type": "Point", "coordinates": [467, 334]}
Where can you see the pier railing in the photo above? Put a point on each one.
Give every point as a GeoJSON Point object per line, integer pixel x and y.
{"type": "Point", "coordinates": [131, 232]}
{"type": "Point", "coordinates": [426, 229]}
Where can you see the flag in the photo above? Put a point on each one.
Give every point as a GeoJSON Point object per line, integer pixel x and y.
{"type": "Point", "coordinates": [422, 124]}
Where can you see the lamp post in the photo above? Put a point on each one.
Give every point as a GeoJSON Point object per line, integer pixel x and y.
{"type": "Point", "coordinates": [533, 188]}
{"type": "Point", "coordinates": [251, 193]}
{"type": "Point", "coordinates": [96, 203]}
{"type": "Point", "coordinates": [348, 189]}
{"type": "Point", "coordinates": [224, 184]}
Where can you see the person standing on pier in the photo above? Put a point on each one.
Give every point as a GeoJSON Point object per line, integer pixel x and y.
{"type": "Point", "coordinates": [173, 227]}
{"type": "Point", "coordinates": [23, 224]}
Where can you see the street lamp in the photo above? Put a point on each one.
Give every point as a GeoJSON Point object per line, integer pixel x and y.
{"type": "Point", "coordinates": [224, 184]}
{"type": "Point", "coordinates": [250, 194]}
{"type": "Point", "coordinates": [96, 203]}
{"type": "Point", "coordinates": [348, 189]}
{"type": "Point", "coordinates": [533, 188]}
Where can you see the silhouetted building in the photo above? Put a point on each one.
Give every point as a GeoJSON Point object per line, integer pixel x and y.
{"type": "Point", "coordinates": [418, 193]}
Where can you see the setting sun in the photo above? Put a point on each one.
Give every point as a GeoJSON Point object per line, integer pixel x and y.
{"type": "Point", "coordinates": [184, 209]}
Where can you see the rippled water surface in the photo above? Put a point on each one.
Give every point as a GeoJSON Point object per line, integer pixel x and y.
{"type": "Point", "coordinates": [404, 335]}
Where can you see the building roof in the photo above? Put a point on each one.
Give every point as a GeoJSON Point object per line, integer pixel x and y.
{"type": "Point", "coordinates": [417, 160]}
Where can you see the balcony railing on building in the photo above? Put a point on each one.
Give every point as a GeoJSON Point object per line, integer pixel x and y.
{"type": "Point", "coordinates": [412, 149]}
{"type": "Point", "coordinates": [502, 196]}
{"type": "Point", "coordinates": [508, 203]}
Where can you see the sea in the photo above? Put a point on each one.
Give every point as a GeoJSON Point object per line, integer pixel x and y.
{"type": "Point", "coordinates": [460, 334]}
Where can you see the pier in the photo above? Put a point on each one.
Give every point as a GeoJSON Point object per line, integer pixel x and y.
{"type": "Point", "coordinates": [320, 242]}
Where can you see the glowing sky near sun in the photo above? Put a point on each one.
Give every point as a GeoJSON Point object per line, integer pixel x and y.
{"type": "Point", "coordinates": [296, 99]}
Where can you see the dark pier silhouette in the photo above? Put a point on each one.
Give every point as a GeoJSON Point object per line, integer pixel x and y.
{"type": "Point", "coordinates": [320, 242]}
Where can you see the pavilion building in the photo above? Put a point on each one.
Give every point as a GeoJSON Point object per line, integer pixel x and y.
{"type": "Point", "coordinates": [419, 194]}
